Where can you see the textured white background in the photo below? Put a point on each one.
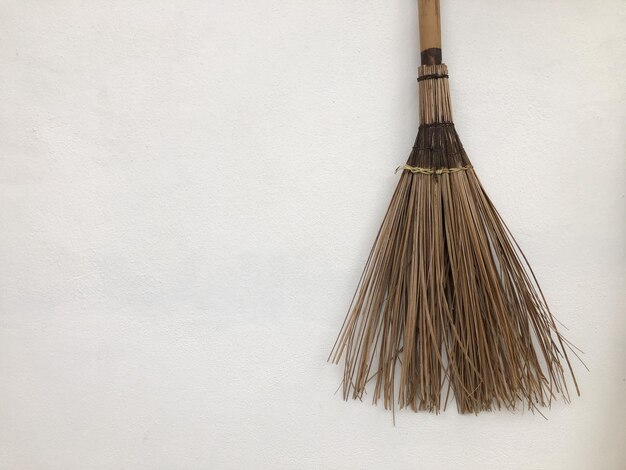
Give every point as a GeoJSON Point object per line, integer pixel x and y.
{"type": "Point", "coordinates": [189, 190]}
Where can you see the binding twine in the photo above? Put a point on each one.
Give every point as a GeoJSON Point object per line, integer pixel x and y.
{"type": "Point", "coordinates": [432, 171]}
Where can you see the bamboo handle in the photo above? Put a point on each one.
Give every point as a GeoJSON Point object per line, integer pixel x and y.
{"type": "Point", "coordinates": [430, 31]}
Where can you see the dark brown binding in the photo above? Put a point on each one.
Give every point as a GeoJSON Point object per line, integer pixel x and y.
{"type": "Point", "coordinates": [438, 146]}
{"type": "Point", "coordinates": [432, 76]}
{"type": "Point", "coordinates": [431, 56]}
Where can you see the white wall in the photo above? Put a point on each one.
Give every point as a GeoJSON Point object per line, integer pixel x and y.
{"type": "Point", "coordinates": [189, 190]}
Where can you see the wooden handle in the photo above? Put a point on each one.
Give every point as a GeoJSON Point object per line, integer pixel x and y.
{"type": "Point", "coordinates": [430, 31]}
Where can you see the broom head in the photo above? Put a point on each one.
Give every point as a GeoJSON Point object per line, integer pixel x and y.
{"type": "Point", "coordinates": [447, 305]}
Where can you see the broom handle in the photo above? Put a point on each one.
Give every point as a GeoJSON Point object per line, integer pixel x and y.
{"type": "Point", "coordinates": [430, 31]}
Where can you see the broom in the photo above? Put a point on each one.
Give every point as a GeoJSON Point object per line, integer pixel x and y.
{"type": "Point", "coordinates": [447, 304]}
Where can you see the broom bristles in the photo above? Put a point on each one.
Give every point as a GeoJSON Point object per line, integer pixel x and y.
{"type": "Point", "coordinates": [447, 304]}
